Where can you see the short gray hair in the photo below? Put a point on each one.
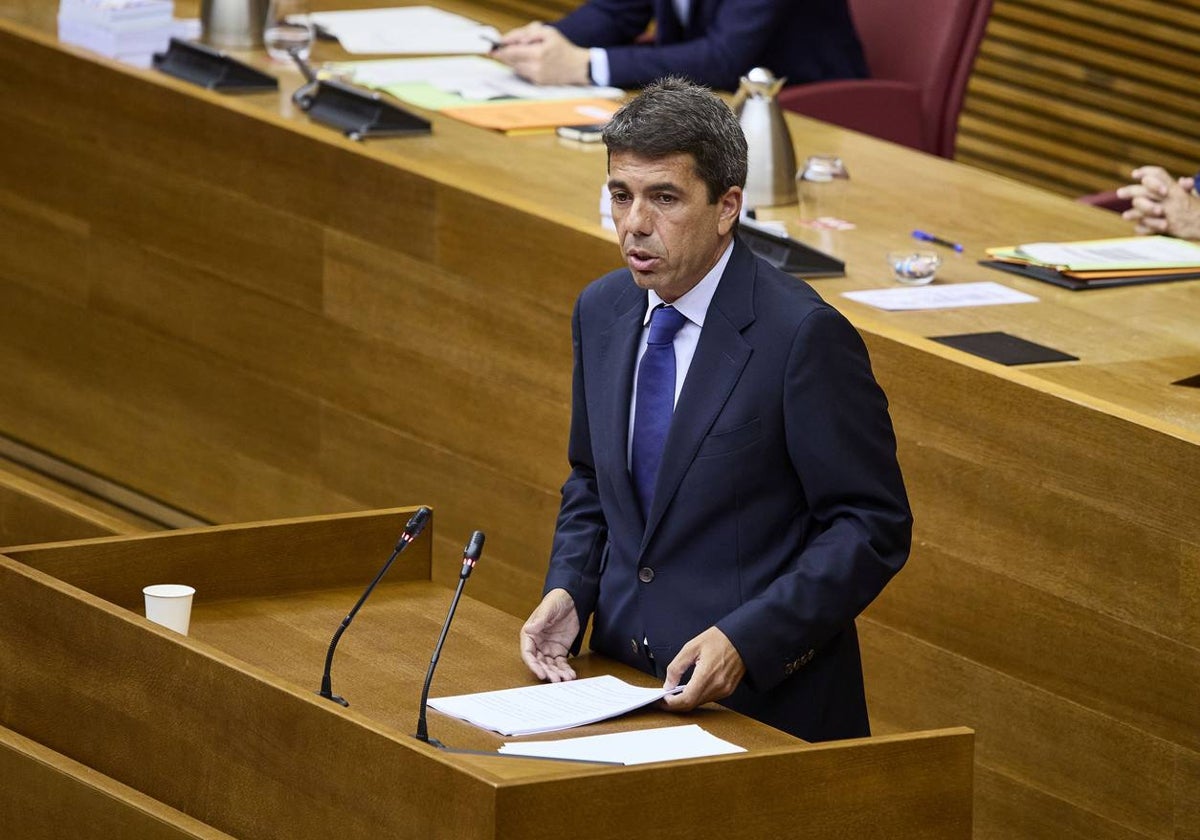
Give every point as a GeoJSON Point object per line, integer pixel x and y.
{"type": "Point", "coordinates": [671, 116]}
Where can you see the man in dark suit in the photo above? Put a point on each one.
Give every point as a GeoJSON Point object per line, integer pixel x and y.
{"type": "Point", "coordinates": [734, 498]}
{"type": "Point", "coordinates": [710, 42]}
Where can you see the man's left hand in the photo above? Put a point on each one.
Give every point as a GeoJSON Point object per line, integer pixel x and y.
{"type": "Point", "coordinates": [718, 670]}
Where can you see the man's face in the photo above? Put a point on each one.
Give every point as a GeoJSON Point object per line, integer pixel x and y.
{"type": "Point", "coordinates": [669, 232]}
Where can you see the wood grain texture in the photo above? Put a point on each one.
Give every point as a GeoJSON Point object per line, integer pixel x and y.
{"type": "Point", "coordinates": [31, 512]}
{"type": "Point", "coordinates": [224, 726]}
{"type": "Point", "coordinates": [46, 796]}
{"type": "Point", "coordinates": [402, 334]}
{"type": "Point", "coordinates": [1072, 95]}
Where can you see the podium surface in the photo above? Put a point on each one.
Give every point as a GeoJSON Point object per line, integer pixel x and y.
{"type": "Point", "coordinates": [224, 728]}
{"type": "Point", "coordinates": [248, 316]}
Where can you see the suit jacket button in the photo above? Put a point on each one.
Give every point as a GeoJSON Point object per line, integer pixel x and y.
{"type": "Point", "coordinates": [645, 574]}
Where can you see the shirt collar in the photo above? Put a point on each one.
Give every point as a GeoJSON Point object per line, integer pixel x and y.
{"type": "Point", "coordinates": [694, 302]}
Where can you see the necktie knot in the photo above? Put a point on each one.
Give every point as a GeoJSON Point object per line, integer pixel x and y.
{"type": "Point", "coordinates": [665, 321]}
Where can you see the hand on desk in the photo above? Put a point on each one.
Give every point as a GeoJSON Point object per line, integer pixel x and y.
{"type": "Point", "coordinates": [541, 54]}
{"type": "Point", "coordinates": [547, 636]}
{"type": "Point", "coordinates": [718, 670]}
{"type": "Point", "coordinates": [1162, 204]}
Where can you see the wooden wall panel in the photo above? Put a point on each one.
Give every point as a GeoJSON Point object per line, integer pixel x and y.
{"type": "Point", "coordinates": [1073, 95]}
{"type": "Point", "coordinates": [413, 348]}
{"type": "Point", "coordinates": [1095, 770]}
{"type": "Point", "coordinates": [46, 796]}
{"type": "Point", "coordinates": [30, 512]}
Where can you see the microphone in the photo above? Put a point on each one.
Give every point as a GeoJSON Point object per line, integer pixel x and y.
{"type": "Point", "coordinates": [412, 530]}
{"type": "Point", "coordinates": [470, 557]}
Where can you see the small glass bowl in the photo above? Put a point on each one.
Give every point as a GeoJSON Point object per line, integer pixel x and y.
{"type": "Point", "coordinates": [914, 268]}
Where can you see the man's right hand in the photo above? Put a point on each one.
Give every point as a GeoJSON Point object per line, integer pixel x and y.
{"type": "Point", "coordinates": [547, 637]}
{"type": "Point", "coordinates": [542, 55]}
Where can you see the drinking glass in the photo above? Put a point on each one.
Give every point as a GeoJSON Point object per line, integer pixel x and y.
{"type": "Point", "coordinates": [288, 30]}
{"type": "Point", "coordinates": [821, 184]}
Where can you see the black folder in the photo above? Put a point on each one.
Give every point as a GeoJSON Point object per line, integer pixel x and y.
{"type": "Point", "coordinates": [1050, 275]}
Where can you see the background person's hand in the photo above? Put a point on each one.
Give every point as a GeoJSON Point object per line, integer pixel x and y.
{"type": "Point", "coordinates": [541, 54]}
{"type": "Point", "coordinates": [1162, 204]}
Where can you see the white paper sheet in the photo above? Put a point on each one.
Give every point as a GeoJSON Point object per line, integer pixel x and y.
{"type": "Point", "coordinates": [667, 743]}
{"type": "Point", "coordinates": [471, 77]}
{"type": "Point", "coordinates": [1124, 253]}
{"type": "Point", "coordinates": [946, 296]}
{"type": "Point", "coordinates": [407, 30]}
{"type": "Point", "coordinates": [548, 707]}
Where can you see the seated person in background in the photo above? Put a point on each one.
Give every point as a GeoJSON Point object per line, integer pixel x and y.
{"type": "Point", "coordinates": [1163, 204]}
{"type": "Point", "coordinates": [710, 42]}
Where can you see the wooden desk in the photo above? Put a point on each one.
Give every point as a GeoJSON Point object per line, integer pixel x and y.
{"type": "Point", "coordinates": [249, 316]}
{"type": "Point", "coordinates": [222, 729]}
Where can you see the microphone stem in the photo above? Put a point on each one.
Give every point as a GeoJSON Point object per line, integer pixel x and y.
{"type": "Point", "coordinates": [422, 727]}
{"type": "Point", "coordinates": [327, 678]}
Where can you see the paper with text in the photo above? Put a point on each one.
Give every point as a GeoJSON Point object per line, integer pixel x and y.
{"type": "Point", "coordinates": [407, 30]}
{"type": "Point", "coordinates": [549, 707]}
{"type": "Point", "coordinates": [946, 296]}
{"type": "Point", "coordinates": [642, 746]}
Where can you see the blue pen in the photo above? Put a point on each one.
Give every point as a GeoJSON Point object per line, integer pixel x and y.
{"type": "Point", "coordinates": [937, 240]}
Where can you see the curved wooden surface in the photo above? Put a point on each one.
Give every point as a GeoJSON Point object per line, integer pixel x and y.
{"type": "Point", "coordinates": [248, 316]}
{"type": "Point", "coordinates": [224, 726]}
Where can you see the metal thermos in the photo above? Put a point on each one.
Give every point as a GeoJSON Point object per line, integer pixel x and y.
{"type": "Point", "coordinates": [232, 24]}
{"type": "Point", "coordinates": [772, 176]}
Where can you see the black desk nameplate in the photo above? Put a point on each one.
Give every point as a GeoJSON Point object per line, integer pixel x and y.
{"type": "Point", "coordinates": [1004, 348]}
{"type": "Point", "coordinates": [212, 69]}
{"type": "Point", "coordinates": [357, 113]}
{"type": "Point", "coordinates": [789, 254]}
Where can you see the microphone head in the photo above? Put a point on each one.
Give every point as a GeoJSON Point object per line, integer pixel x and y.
{"type": "Point", "coordinates": [418, 521]}
{"type": "Point", "coordinates": [474, 547]}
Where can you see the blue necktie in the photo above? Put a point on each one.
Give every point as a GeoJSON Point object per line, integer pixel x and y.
{"type": "Point", "coordinates": [655, 400]}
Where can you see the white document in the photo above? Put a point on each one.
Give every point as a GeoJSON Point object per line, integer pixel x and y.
{"type": "Point", "coordinates": [1125, 253]}
{"type": "Point", "coordinates": [667, 743]}
{"type": "Point", "coordinates": [949, 296]}
{"type": "Point", "coordinates": [472, 77]}
{"type": "Point", "coordinates": [407, 30]}
{"type": "Point", "coordinates": [549, 707]}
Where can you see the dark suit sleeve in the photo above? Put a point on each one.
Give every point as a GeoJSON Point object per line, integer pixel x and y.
{"type": "Point", "coordinates": [730, 43]}
{"type": "Point", "coordinates": [606, 23]}
{"type": "Point", "coordinates": [840, 441]}
{"type": "Point", "coordinates": [581, 533]}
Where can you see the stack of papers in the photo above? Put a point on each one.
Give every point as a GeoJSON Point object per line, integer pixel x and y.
{"type": "Point", "coordinates": [1101, 262]}
{"type": "Point", "coordinates": [667, 743]}
{"type": "Point", "coordinates": [407, 30]}
{"type": "Point", "coordinates": [549, 707]}
{"type": "Point", "coordinates": [458, 81]}
{"type": "Point", "coordinates": [129, 30]}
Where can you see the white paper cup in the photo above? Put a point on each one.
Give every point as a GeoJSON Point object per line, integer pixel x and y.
{"type": "Point", "coordinates": [170, 604]}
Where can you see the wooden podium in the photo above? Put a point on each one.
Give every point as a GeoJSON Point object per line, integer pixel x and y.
{"type": "Point", "coordinates": [116, 727]}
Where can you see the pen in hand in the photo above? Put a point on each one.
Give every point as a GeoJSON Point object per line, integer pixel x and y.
{"type": "Point", "coordinates": [936, 240]}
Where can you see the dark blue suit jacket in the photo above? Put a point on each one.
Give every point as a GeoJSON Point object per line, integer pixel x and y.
{"type": "Point", "coordinates": [804, 40]}
{"type": "Point", "coordinates": [779, 511]}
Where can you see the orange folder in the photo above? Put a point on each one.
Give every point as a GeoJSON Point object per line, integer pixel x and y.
{"type": "Point", "coordinates": [522, 115]}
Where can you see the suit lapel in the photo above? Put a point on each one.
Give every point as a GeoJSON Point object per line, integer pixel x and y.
{"type": "Point", "coordinates": [618, 353]}
{"type": "Point", "coordinates": [720, 358]}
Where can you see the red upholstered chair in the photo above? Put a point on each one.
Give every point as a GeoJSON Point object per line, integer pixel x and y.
{"type": "Point", "coordinates": [1109, 200]}
{"type": "Point", "coordinates": [920, 54]}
